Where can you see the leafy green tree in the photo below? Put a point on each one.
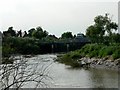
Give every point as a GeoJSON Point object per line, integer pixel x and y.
{"type": "Point", "coordinates": [115, 38]}
{"type": "Point", "coordinates": [30, 32]}
{"type": "Point", "coordinates": [10, 32]}
{"type": "Point", "coordinates": [50, 38]}
{"type": "Point", "coordinates": [39, 29]}
{"type": "Point", "coordinates": [102, 24]}
{"type": "Point", "coordinates": [67, 35]}
{"type": "Point", "coordinates": [93, 33]}
{"type": "Point", "coordinates": [106, 24]}
{"type": "Point", "coordinates": [39, 33]}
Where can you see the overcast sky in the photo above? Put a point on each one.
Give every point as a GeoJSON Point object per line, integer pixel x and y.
{"type": "Point", "coordinates": [55, 16]}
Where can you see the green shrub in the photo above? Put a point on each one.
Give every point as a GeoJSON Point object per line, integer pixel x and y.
{"type": "Point", "coordinates": [7, 51]}
{"type": "Point", "coordinates": [75, 55]}
{"type": "Point", "coordinates": [116, 54]}
{"type": "Point", "coordinates": [70, 59]}
{"type": "Point", "coordinates": [65, 58]}
{"type": "Point", "coordinates": [93, 54]}
{"type": "Point", "coordinates": [101, 52]}
{"type": "Point", "coordinates": [109, 50]}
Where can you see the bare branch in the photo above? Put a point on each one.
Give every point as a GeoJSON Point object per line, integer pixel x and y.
{"type": "Point", "coordinates": [21, 72]}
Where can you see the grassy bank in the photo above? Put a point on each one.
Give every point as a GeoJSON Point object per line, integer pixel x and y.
{"type": "Point", "coordinates": [91, 50]}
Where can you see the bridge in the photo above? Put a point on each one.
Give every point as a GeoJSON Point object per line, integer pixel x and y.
{"type": "Point", "coordinates": [64, 45]}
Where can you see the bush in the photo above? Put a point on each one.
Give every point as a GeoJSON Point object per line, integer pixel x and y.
{"type": "Point", "coordinates": [70, 59]}
{"type": "Point", "coordinates": [93, 54]}
{"type": "Point", "coordinates": [7, 51]}
{"type": "Point", "coordinates": [75, 55]}
{"type": "Point", "coordinates": [116, 54]}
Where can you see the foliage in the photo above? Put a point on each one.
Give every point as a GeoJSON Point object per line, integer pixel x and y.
{"type": "Point", "coordinates": [69, 59]}
{"type": "Point", "coordinates": [19, 45]}
{"type": "Point", "coordinates": [116, 54]}
{"type": "Point", "coordinates": [38, 33]}
{"type": "Point", "coordinates": [103, 24]}
{"type": "Point", "coordinates": [100, 50]}
{"type": "Point", "coordinates": [67, 35]}
{"type": "Point", "coordinates": [115, 38]}
{"type": "Point", "coordinates": [19, 33]}
{"type": "Point", "coordinates": [91, 50]}
{"type": "Point", "coordinates": [10, 32]}
{"type": "Point", "coordinates": [30, 32]}
{"type": "Point", "coordinates": [7, 51]}
{"type": "Point", "coordinates": [50, 38]}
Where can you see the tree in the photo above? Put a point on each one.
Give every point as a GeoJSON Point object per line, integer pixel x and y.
{"type": "Point", "coordinates": [92, 31]}
{"type": "Point", "coordinates": [95, 33]}
{"type": "Point", "coordinates": [30, 32]}
{"type": "Point", "coordinates": [39, 29]}
{"type": "Point", "coordinates": [50, 38]}
{"type": "Point", "coordinates": [39, 33]}
{"type": "Point", "coordinates": [25, 34]}
{"type": "Point", "coordinates": [19, 73]}
{"type": "Point", "coordinates": [106, 24]}
{"type": "Point", "coordinates": [115, 38]}
{"type": "Point", "coordinates": [102, 24]}
{"type": "Point", "coordinates": [10, 32]}
{"type": "Point", "coordinates": [67, 35]}
{"type": "Point", "coordinates": [19, 34]}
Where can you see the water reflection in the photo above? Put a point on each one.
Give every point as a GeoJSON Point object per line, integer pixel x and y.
{"type": "Point", "coordinates": [104, 78]}
{"type": "Point", "coordinates": [81, 78]}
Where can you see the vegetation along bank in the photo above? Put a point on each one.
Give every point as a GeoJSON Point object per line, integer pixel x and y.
{"type": "Point", "coordinates": [93, 55]}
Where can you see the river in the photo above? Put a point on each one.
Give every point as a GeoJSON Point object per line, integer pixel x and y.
{"type": "Point", "coordinates": [62, 76]}
{"type": "Point", "coordinates": [66, 77]}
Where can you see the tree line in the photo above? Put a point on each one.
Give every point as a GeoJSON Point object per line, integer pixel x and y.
{"type": "Point", "coordinates": [29, 42]}
{"type": "Point", "coordinates": [103, 31]}
{"type": "Point", "coordinates": [37, 33]}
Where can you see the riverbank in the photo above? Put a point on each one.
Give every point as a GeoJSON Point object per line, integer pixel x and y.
{"type": "Point", "coordinates": [93, 56]}
{"type": "Point", "coordinates": [100, 63]}
{"type": "Point", "coordinates": [87, 62]}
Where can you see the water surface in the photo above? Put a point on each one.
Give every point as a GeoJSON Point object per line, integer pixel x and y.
{"type": "Point", "coordinates": [65, 77]}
